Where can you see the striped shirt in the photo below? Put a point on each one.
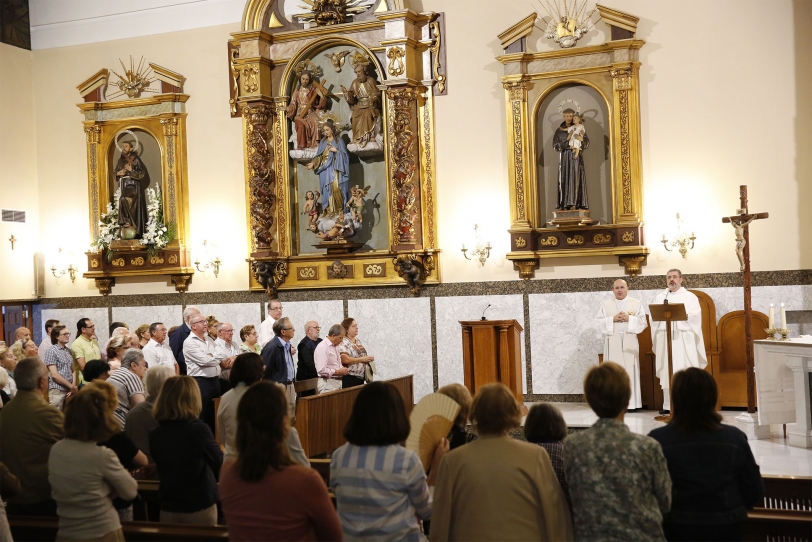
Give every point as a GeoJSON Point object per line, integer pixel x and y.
{"type": "Point", "coordinates": [63, 359]}
{"type": "Point", "coordinates": [127, 384]}
{"type": "Point", "coordinates": [380, 492]}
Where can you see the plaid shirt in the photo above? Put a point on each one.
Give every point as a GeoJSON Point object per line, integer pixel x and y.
{"type": "Point", "coordinates": [62, 357]}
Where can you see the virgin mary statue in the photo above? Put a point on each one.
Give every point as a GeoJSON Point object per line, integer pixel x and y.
{"type": "Point", "coordinates": [332, 165]}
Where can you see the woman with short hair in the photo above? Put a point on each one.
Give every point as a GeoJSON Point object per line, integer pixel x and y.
{"type": "Point", "coordinates": [353, 355]}
{"type": "Point", "coordinates": [264, 473]}
{"type": "Point", "coordinates": [618, 481]}
{"type": "Point", "coordinates": [498, 485]}
{"type": "Point", "coordinates": [546, 427]}
{"type": "Point", "coordinates": [85, 477]}
{"type": "Point", "coordinates": [381, 487]}
{"type": "Point", "coordinates": [25, 348]}
{"type": "Point", "coordinates": [116, 347]}
{"type": "Point", "coordinates": [186, 454]}
{"type": "Point", "coordinates": [250, 340]}
{"type": "Point", "coordinates": [459, 433]}
{"type": "Point", "coordinates": [715, 478]}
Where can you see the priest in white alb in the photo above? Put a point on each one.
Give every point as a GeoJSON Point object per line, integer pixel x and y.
{"type": "Point", "coordinates": [620, 320]}
{"type": "Point", "coordinates": [687, 344]}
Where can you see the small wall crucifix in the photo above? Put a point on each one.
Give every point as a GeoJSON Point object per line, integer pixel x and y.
{"type": "Point", "coordinates": [13, 240]}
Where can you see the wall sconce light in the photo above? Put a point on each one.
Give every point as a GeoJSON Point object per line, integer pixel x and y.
{"type": "Point", "coordinates": [481, 252]}
{"type": "Point", "coordinates": [213, 263]}
{"type": "Point", "coordinates": [681, 239]}
{"type": "Point", "coordinates": [70, 270]}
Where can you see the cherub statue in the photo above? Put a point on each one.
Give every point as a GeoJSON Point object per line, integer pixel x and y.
{"type": "Point", "coordinates": [740, 242]}
{"type": "Point", "coordinates": [339, 230]}
{"type": "Point", "coordinates": [412, 272]}
{"type": "Point", "coordinates": [312, 207]}
{"type": "Point", "coordinates": [356, 203]}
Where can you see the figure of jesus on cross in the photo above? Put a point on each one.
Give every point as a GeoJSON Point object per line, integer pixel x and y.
{"type": "Point", "coordinates": [741, 224]}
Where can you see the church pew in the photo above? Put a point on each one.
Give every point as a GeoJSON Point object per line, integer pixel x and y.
{"type": "Point", "coordinates": [24, 528]}
{"type": "Point", "coordinates": [320, 419]}
{"type": "Point", "coordinates": [787, 493]}
{"type": "Point", "coordinates": [777, 526]}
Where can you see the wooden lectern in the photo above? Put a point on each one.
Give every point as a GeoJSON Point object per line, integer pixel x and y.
{"type": "Point", "coordinates": [492, 352]}
{"type": "Point", "coordinates": [668, 312]}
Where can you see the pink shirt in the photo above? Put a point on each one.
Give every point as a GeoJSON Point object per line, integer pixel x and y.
{"type": "Point", "coordinates": [327, 359]}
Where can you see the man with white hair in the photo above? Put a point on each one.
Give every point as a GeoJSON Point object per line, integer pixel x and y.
{"type": "Point", "coordinates": [620, 320]}
{"type": "Point", "coordinates": [226, 350]}
{"type": "Point", "coordinates": [157, 350]}
{"type": "Point", "coordinates": [179, 336]}
{"type": "Point", "coordinates": [127, 381]}
{"type": "Point", "coordinates": [687, 343]}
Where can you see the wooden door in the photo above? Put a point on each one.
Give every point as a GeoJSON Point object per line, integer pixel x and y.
{"type": "Point", "coordinates": [730, 369]}
{"type": "Point", "coordinates": [15, 316]}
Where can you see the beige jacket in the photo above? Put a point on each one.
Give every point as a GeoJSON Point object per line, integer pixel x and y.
{"type": "Point", "coordinates": [498, 488]}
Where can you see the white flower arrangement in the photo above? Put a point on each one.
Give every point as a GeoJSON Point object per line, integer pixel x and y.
{"type": "Point", "coordinates": [156, 236]}
{"type": "Point", "coordinates": [109, 228]}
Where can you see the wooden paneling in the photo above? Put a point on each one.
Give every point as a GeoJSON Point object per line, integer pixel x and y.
{"type": "Point", "coordinates": [320, 419]}
{"type": "Point", "coordinates": [730, 368]}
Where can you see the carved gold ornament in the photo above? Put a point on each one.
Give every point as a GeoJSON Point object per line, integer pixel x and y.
{"type": "Point", "coordinates": [307, 273]}
{"type": "Point", "coordinates": [576, 240]}
{"type": "Point", "coordinates": [139, 261]}
{"type": "Point", "coordinates": [134, 81]}
{"type": "Point", "coordinates": [173, 259]}
{"type": "Point", "coordinates": [628, 237]}
{"type": "Point", "coordinates": [118, 262]}
{"type": "Point", "coordinates": [94, 263]}
{"type": "Point", "coordinates": [549, 241]}
{"type": "Point", "coordinates": [435, 49]}
{"type": "Point", "coordinates": [156, 260]}
{"type": "Point", "coordinates": [373, 270]}
{"type": "Point", "coordinates": [602, 239]}
{"type": "Point", "coordinates": [568, 23]}
{"type": "Point", "coordinates": [250, 82]}
{"type": "Point", "coordinates": [396, 66]}
{"type": "Point", "coordinates": [521, 242]}
{"type": "Point", "coordinates": [330, 12]}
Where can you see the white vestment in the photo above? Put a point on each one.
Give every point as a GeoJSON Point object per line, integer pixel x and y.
{"type": "Point", "coordinates": [687, 344]}
{"type": "Point", "coordinates": [620, 344]}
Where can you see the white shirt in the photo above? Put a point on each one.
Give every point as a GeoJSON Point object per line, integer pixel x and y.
{"type": "Point", "coordinates": [200, 356]}
{"type": "Point", "coordinates": [159, 354]}
{"type": "Point", "coordinates": [266, 331]}
{"type": "Point", "coordinates": [223, 351]}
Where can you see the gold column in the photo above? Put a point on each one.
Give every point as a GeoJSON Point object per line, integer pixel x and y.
{"type": "Point", "coordinates": [522, 209]}
{"type": "Point", "coordinates": [93, 136]}
{"type": "Point", "coordinates": [402, 147]}
{"type": "Point", "coordinates": [629, 169]}
{"type": "Point", "coordinates": [261, 179]}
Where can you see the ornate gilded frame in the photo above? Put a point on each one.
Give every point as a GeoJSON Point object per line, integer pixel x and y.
{"type": "Point", "coordinates": [163, 116]}
{"type": "Point", "coordinates": [408, 51]}
{"type": "Point", "coordinates": [612, 70]}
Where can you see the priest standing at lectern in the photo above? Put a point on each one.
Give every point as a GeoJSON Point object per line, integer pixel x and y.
{"type": "Point", "coordinates": [687, 344]}
{"type": "Point", "coordinates": [619, 321]}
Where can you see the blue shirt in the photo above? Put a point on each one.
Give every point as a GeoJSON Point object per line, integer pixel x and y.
{"type": "Point", "coordinates": [288, 360]}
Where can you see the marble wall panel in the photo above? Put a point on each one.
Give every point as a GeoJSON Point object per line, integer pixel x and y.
{"type": "Point", "coordinates": [69, 318]}
{"type": "Point", "coordinates": [398, 333]}
{"type": "Point", "coordinates": [326, 313]}
{"type": "Point", "coordinates": [170, 315]}
{"type": "Point", "coordinates": [236, 314]}
{"type": "Point", "coordinates": [451, 310]}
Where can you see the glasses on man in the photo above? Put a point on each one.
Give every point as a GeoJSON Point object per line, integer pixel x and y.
{"type": "Point", "coordinates": [65, 334]}
{"type": "Point", "coordinates": [90, 327]}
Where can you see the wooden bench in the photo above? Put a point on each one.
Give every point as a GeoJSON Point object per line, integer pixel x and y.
{"type": "Point", "coordinates": [26, 528]}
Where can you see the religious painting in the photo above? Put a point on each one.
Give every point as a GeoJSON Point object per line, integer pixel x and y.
{"type": "Point", "coordinates": [134, 177]}
{"type": "Point", "coordinates": [574, 162]}
{"type": "Point", "coordinates": [336, 151]}
{"type": "Point", "coordinates": [15, 23]}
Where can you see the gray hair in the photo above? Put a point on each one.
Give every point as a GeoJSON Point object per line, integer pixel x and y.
{"type": "Point", "coordinates": [279, 324]}
{"type": "Point", "coordinates": [311, 323]}
{"type": "Point", "coordinates": [3, 378]}
{"type": "Point", "coordinates": [133, 355]}
{"type": "Point", "coordinates": [28, 373]}
{"type": "Point", "coordinates": [675, 270]}
{"type": "Point", "coordinates": [335, 330]}
{"type": "Point", "coordinates": [220, 325]}
{"type": "Point", "coordinates": [188, 312]}
{"type": "Point", "coordinates": [155, 378]}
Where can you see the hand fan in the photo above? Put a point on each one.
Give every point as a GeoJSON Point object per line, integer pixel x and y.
{"type": "Point", "coordinates": [431, 420]}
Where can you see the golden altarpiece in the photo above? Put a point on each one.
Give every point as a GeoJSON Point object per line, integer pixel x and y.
{"type": "Point", "coordinates": [338, 129]}
{"type": "Point", "coordinates": [599, 84]}
{"type": "Point", "coordinates": [135, 128]}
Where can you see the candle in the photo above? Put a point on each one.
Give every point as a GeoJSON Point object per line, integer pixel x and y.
{"type": "Point", "coordinates": [783, 317]}
{"type": "Point", "coordinates": [771, 324]}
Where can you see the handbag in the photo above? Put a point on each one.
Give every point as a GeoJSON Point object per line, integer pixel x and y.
{"type": "Point", "coordinates": [369, 372]}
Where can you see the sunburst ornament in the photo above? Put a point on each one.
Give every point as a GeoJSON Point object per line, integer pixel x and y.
{"type": "Point", "coordinates": [359, 58]}
{"type": "Point", "coordinates": [134, 81]}
{"type": "Point", "coordinates": [330, 12]}
{"type": "Point", "coordinates": [305, 66]}
{"type": "Point", "coordinates": [568, 22]}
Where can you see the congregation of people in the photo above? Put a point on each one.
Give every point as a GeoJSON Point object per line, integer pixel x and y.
{"type": "Point", "coordinates": [79, 424]}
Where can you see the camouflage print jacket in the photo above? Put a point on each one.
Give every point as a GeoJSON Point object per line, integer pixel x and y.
{"type": "Point", "coordinates": [618, 483]}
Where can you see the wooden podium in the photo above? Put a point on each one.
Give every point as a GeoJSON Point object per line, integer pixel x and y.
{"type": "Point", "coordinates": [492, 352]}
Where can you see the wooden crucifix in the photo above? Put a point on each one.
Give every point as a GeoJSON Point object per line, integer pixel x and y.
{"type": "Point", "coordinates": [741, 224]}
{"type": "Point", "coordinates": [13, 240]}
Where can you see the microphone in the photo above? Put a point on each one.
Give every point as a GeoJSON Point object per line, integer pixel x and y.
{"type": "Point", "coordinates": [483, 312]}
{"type": "Point", "coordinates": [665, 301]}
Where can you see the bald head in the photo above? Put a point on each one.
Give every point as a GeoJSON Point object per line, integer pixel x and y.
{"type": "Point", "coordinates": [22, 333]}
{"type": "Point", "coordinates": [620, 289]}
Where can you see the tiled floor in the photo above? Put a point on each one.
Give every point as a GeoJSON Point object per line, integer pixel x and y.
{"type": "Point", "coordinates": [774, 456]}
